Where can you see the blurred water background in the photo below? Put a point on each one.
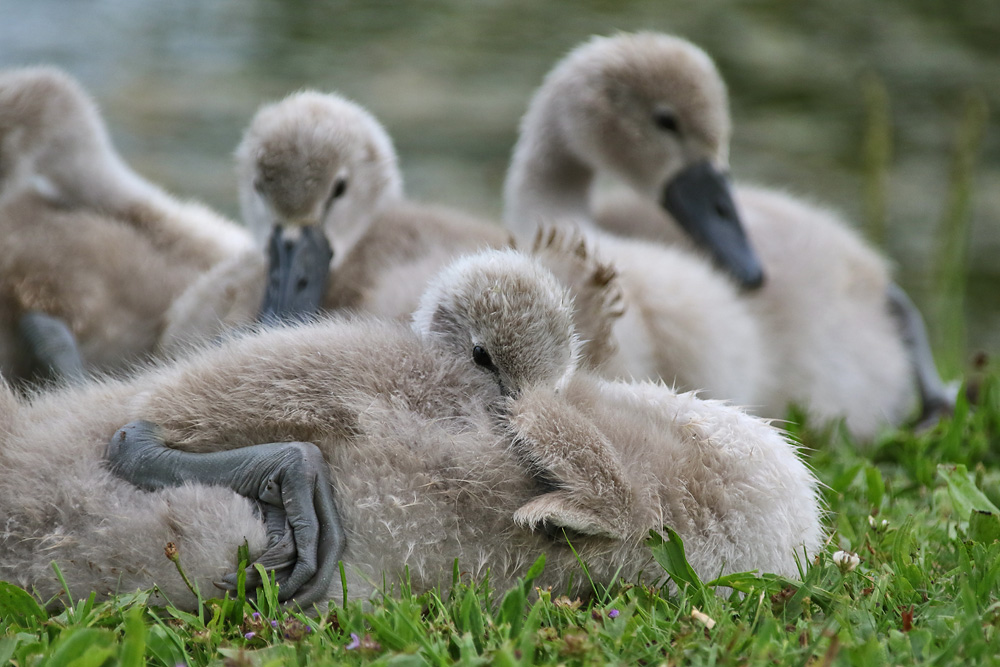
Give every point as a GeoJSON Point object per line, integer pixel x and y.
{"type": "Point", "coordinates": [859, 105]}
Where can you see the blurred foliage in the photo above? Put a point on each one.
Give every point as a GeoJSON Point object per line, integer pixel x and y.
{"type": "Point", "coordinates": [850, 103]}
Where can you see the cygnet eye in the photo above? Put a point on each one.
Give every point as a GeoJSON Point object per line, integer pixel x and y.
{"type": "Point", "coordinates": [482, 357]}
{"type": "Point", "coordinates": [339, 188]}
{"type": "Point", "coordinates": [666, 120]}
{"type": "Point", "coordinates": [258, 185]}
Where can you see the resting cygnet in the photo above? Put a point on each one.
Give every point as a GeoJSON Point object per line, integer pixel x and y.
{"type": "Point", "coordinates": [92, 250]}
{"type": "Point", "coordinates": [468, 436]}
{"type": "Point", "coordinates": [317, 159]}
{"type": "Point", "coordinates": [701, 342]}
{"type": "Point", "coordinates": [651, 111]}
{"type": "Point", "coordinates": [347, 383]}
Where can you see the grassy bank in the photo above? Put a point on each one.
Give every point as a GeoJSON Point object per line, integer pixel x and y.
{"type": "Point", "coordinates": [920, 512]}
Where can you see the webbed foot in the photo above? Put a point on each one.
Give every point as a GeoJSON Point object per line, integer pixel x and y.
{"type": "Point", "coordinates": [598, 300]}
{"type": "Point", "coordinates": [298, 273]}
{"type": "Point", "coordinates": [52, 346]}
{"type": "Point", "coordinates": [289, 481]}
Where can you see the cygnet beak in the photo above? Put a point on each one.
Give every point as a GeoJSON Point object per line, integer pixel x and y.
{"type": "Point", "coordinates": [699, 198]}
{"type": "Point", "coordinates": [298, 273]}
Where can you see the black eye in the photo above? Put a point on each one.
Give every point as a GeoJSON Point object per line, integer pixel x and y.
{"type": "Point", "coordinates": [258, 184]}
{"type": "Point", "coordinates": [666, 121]}
{"type": "Point", "coordinates": [339, 188]}
{"type": "Point", "coordinates": [482, 357]}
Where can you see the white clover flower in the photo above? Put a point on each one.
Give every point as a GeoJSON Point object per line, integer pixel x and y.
{"type": "Point", "coordinates": [878, 525]}
{"type": "Point", "coordinates": [846, 561]}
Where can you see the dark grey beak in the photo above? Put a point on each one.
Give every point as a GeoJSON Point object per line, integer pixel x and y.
{"type": "Point", "coordinates": [297, 276]}
{"type": "Point", "coordinates": [700, 200]}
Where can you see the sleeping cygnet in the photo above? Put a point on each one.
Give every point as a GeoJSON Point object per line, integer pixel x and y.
{"type": "Point", "coordinates": [370, 389]}
{"type": "Point", "coordinates": [319, 161]}
{"type": "Point", "coordinates": [93, 254]}
{"type": "Point", "coordinates": [470, 436]}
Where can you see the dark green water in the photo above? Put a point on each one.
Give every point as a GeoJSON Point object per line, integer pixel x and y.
{"type": "Point", "coordinates": [179, 79]}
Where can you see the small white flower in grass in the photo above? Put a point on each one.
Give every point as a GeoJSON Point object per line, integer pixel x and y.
{"type": "Point", "coordinates": [702, 618]}
{"type": "Point", "coordinates": [846, 561]}
{"type": "Point", "coordinates": [878, 525]}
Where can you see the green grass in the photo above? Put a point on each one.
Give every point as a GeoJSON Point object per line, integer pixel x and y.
{"type": "Point", "coordinates": [919, 509]}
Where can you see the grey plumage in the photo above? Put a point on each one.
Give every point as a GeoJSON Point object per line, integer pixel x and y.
{"type": "Point", "coordinates": [86, 239]}
{"type": "Point", "coordinates": [301, 151]}
{"type": "Point", "coordinates": [641, 108]}
{"type": "Point", "coordinates": [433, 457]}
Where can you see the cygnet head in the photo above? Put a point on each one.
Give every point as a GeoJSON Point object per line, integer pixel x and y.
{"type": "Point", "coordinates": [51, 135]}
{"type": "Point", "coordinates": [649, 109]}
{"type": "Point", "coordinates": [507, 315]}
{"type": "Point", "coordinates": [644, 107]}
{"type": "Point", "coordinates": [315, 159]}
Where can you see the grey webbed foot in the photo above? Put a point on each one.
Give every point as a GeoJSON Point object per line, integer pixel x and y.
{"type": "Point", "coordinates": [289, 481]}
{"type": "Point", "coordinates": [298, 273]}
{"type": "Point", "coordinates": [279, 556]}
{"type": "Point", "coordinates": [935, 399]}
{"type": "Point", "coordinates": [52, 346]}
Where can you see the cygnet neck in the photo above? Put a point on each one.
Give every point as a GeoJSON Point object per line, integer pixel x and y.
{"type": "Point", "coordinates": [546, 181]}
